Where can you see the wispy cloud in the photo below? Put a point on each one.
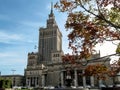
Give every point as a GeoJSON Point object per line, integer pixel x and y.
{"type": "Point", "coordinates": [4, 17]}
{"type": "Point", "coordinates": [9, 64]}
{"type": "Point", "coordinates": [12, 58]}
{"type": "Point", "coordinates": [7, 37]}
{"type": "Point", "coordinates": [32, 24]}
{"type": "Point", "coordinates": [7, 54]}
{"type": "Point", "coordinates": [48, 6]}
{"type": "Point", "coordinates": [32, 41]}
{"type": "Point", "coordinates": [13, 61]}
{"type": "Point", "coordinates": [39, 14]}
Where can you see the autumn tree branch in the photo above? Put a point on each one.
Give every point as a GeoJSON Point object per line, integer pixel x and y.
{"type": "Point", "coordinates": [100, 17]}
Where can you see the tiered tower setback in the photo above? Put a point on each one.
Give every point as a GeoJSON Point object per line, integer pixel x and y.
{"type": "Point", "coordinates": [50, 40]}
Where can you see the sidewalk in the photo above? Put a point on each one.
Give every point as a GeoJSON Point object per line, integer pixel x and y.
{"type": "Point", "coordinates": [72, 89]}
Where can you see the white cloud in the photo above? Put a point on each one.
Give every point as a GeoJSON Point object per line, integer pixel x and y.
{"type": "Point", "coordinates": [40, 14]}
{"type": "Point", "coordinates": [12, 58]}
{"type": "Point", "coordinates": [107, 48]}
{"type": "Point", "coordinates": [31, 24]}
{"type": "Point", "coordinates": [48, 7]}
{"type": "Point", "coordinates": [9, 64]}
{"type": "Point", "coordinates": [14, 62]}
{"type": "Point", "coordinates": [7, 37]}
{"type": "Point", "coordinates": [4, 17]}
{"type": "Point", "coordinates": [7, 54]}
{"type": "Point", "coordinates": [32, 41]}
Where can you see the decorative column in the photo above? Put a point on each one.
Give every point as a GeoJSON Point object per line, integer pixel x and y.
{"type": "Point", "coordinates": [84, 80]}
{"type": "Point", "coordinates": [29, 82]}
{"type": "Point", "coordinates": [36, 82]}
{"type": "Point", "coordinates": [43, 80]}
{"type": "Point", "coordinates": [62, 81]}
{"type": "Point", "coordinates": [76, 78]}
{"type": "Point", "coordinates": [92, 81]}
{"type": "Point", "coordinates": [99, 83]}
{"type": "Point", "coordinates": [117, 79]}
{"type": "Point", "coordinates": [26, 81]}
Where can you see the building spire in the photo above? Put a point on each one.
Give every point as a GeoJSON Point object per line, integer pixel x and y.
{"type": "Point", "coordinates": [51, 8]}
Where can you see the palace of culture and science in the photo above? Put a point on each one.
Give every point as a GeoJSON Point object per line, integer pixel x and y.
{"type": "Point", "coordinates": [45, 67]}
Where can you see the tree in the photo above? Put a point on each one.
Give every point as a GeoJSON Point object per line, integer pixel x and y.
{"type": "Point", "coordinates": [118, 49]}
{"type": "Point", "coordinates": [90, 22]}
{"type": "Point", "coordinates": [98, 70]}
{"type": "Point", "coordinates": [5, 83]}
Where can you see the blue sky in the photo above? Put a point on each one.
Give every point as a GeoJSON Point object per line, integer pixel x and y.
{"type": "Point", "coordinates": [20, 21]}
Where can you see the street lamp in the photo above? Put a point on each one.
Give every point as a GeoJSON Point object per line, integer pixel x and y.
{"type": "Point", "coordinates": [13, 79]}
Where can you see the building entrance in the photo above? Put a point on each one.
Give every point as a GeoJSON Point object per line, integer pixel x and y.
{"type": "Point", "coordinates": [68, 77]}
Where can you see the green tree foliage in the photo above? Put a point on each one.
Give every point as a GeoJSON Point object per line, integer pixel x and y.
{"type": "Point", "coordinates": [5, 83]}
{"type": "Point", "coordinates": [90, 22]}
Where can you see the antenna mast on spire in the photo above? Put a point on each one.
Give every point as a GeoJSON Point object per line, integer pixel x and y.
{"type": "Point", "coordinates": [51, 7]}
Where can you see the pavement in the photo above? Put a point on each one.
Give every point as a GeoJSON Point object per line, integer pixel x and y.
{"type": "Point", "coordinates": [72, 89]}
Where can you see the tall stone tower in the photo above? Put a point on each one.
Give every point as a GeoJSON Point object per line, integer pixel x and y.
{"type": "Point", "coordinates": [50, 40]}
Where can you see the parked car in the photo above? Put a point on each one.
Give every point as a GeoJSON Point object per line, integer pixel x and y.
{"type": "Point", "coordinates": [49, 87]}
{"type": "Point", "coordinates": [16, 87]}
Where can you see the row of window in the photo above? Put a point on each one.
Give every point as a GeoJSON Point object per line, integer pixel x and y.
{"type": "Point", "coordinates": [33, 72]}
{"type": "Point", "coordinates": [31, 57]}
{"type": "Point", "coordinates": [31, 63]}
{"type": "Point", "coordinates": [48, 33]}
{"type": "Point", "coordinates": [56, 55]}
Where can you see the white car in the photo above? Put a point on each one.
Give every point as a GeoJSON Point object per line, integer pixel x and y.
{"type": "Point", "coordinates": [117, 85]}
{"type": "Point", "coordinates": [16, 87]}
{"type": "Point", "coordinates": [49, 87]}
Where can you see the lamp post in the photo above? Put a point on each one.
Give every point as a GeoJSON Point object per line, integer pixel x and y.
{"type": "Point", "coordinates": [13, 79]}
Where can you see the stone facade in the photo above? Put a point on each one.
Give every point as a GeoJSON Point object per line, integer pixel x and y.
{"type": "Point", "coordinates": [50, 41]}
